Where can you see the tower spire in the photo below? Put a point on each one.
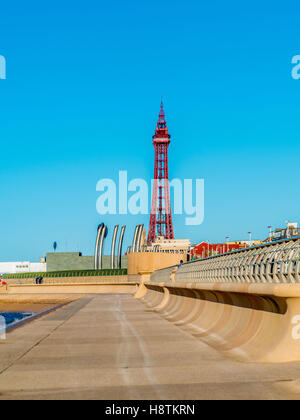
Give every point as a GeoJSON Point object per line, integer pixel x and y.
{"type": "Point", "coordinates": [161, 130]}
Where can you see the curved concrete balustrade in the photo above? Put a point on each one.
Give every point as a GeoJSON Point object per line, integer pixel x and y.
{"type": "Point", "coordinates": [164, 274]}
{"type": "Point", "coordinates": [247, 322]}
{"type": "Point", "coordinates": [246, 304]}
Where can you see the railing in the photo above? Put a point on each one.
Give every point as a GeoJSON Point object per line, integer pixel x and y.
{"type": "Point", "coordinates": [275, 262]}
{"type": "Point", "coordinates": [161, 250]}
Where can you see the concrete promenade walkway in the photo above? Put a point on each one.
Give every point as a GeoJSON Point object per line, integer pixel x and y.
{"type": "Point", "coordinates": [113, 347]}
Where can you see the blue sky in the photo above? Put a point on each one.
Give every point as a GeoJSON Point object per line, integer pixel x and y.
{"type": "Point", "coordinates": [81, 101]}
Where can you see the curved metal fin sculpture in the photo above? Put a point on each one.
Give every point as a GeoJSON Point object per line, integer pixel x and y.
{"type": "Point", "coordinates": [120, 246]}
{"type": "Point", "coordinates": [99, 230]}
{"type": "Point", "coordinates": [100, 250]}
{"type": "Point", "coordinates": [135, 238]}
{"type": "Point", "coordinates": [113, 245]}
{"type": "Point", "coordinates": [139, 238]}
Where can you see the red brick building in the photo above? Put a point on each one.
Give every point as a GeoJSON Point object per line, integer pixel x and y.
{"type": "Point", "coordinates": [205, 249]}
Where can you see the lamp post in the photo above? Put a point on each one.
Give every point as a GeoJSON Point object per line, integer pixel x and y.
{"type": "Point", "coordinates": [227, 240]}
{"type": "Point", "coordinates": [207, 255]}
{"type": "Point", "coordinates": [270, 231]}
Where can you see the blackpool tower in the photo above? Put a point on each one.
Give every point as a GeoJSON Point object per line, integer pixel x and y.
{"type": "Point", "coordinates": [161, 215]}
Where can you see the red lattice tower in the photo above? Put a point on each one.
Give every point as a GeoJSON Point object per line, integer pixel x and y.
{"type": "Point", "coordinates": [161, 216]}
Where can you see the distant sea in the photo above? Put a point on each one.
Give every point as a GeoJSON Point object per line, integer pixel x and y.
{"type": "Point", "coordinates": [11, 317]}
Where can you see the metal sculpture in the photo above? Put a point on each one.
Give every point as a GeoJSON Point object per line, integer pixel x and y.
{"type": "Point", "coordinates": [113, 245]}
{"type": "Point", "coordinates": [139, 238]}
{"type": "Point", "coordinates": [120, 246]}
{"type": "Point", "coordinates": [135, 238]}
{"type": "Point", "coordinates": [100, 250]}
{"type": "Point", "coordinates": [99, 230]}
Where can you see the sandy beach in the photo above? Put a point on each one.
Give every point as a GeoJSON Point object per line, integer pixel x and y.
{"type": "Point", "coordinates": [33, 303]}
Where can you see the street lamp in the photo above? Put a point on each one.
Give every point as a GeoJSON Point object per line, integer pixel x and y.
{"type": "Point", "coordinates": [207, 241]}
{"type": "Point", "coordinates": [227, 240]}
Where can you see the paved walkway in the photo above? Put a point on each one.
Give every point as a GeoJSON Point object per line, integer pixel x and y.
{"type": "Point", "coordinates": [113, 347]}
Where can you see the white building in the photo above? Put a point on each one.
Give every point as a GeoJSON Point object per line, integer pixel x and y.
{"type": "Point", "coordinates": [22, 267]}
{"type": "Point", "coordinates": [291, 230]}
{"type": "Point", "coordinates": [176, 245]}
